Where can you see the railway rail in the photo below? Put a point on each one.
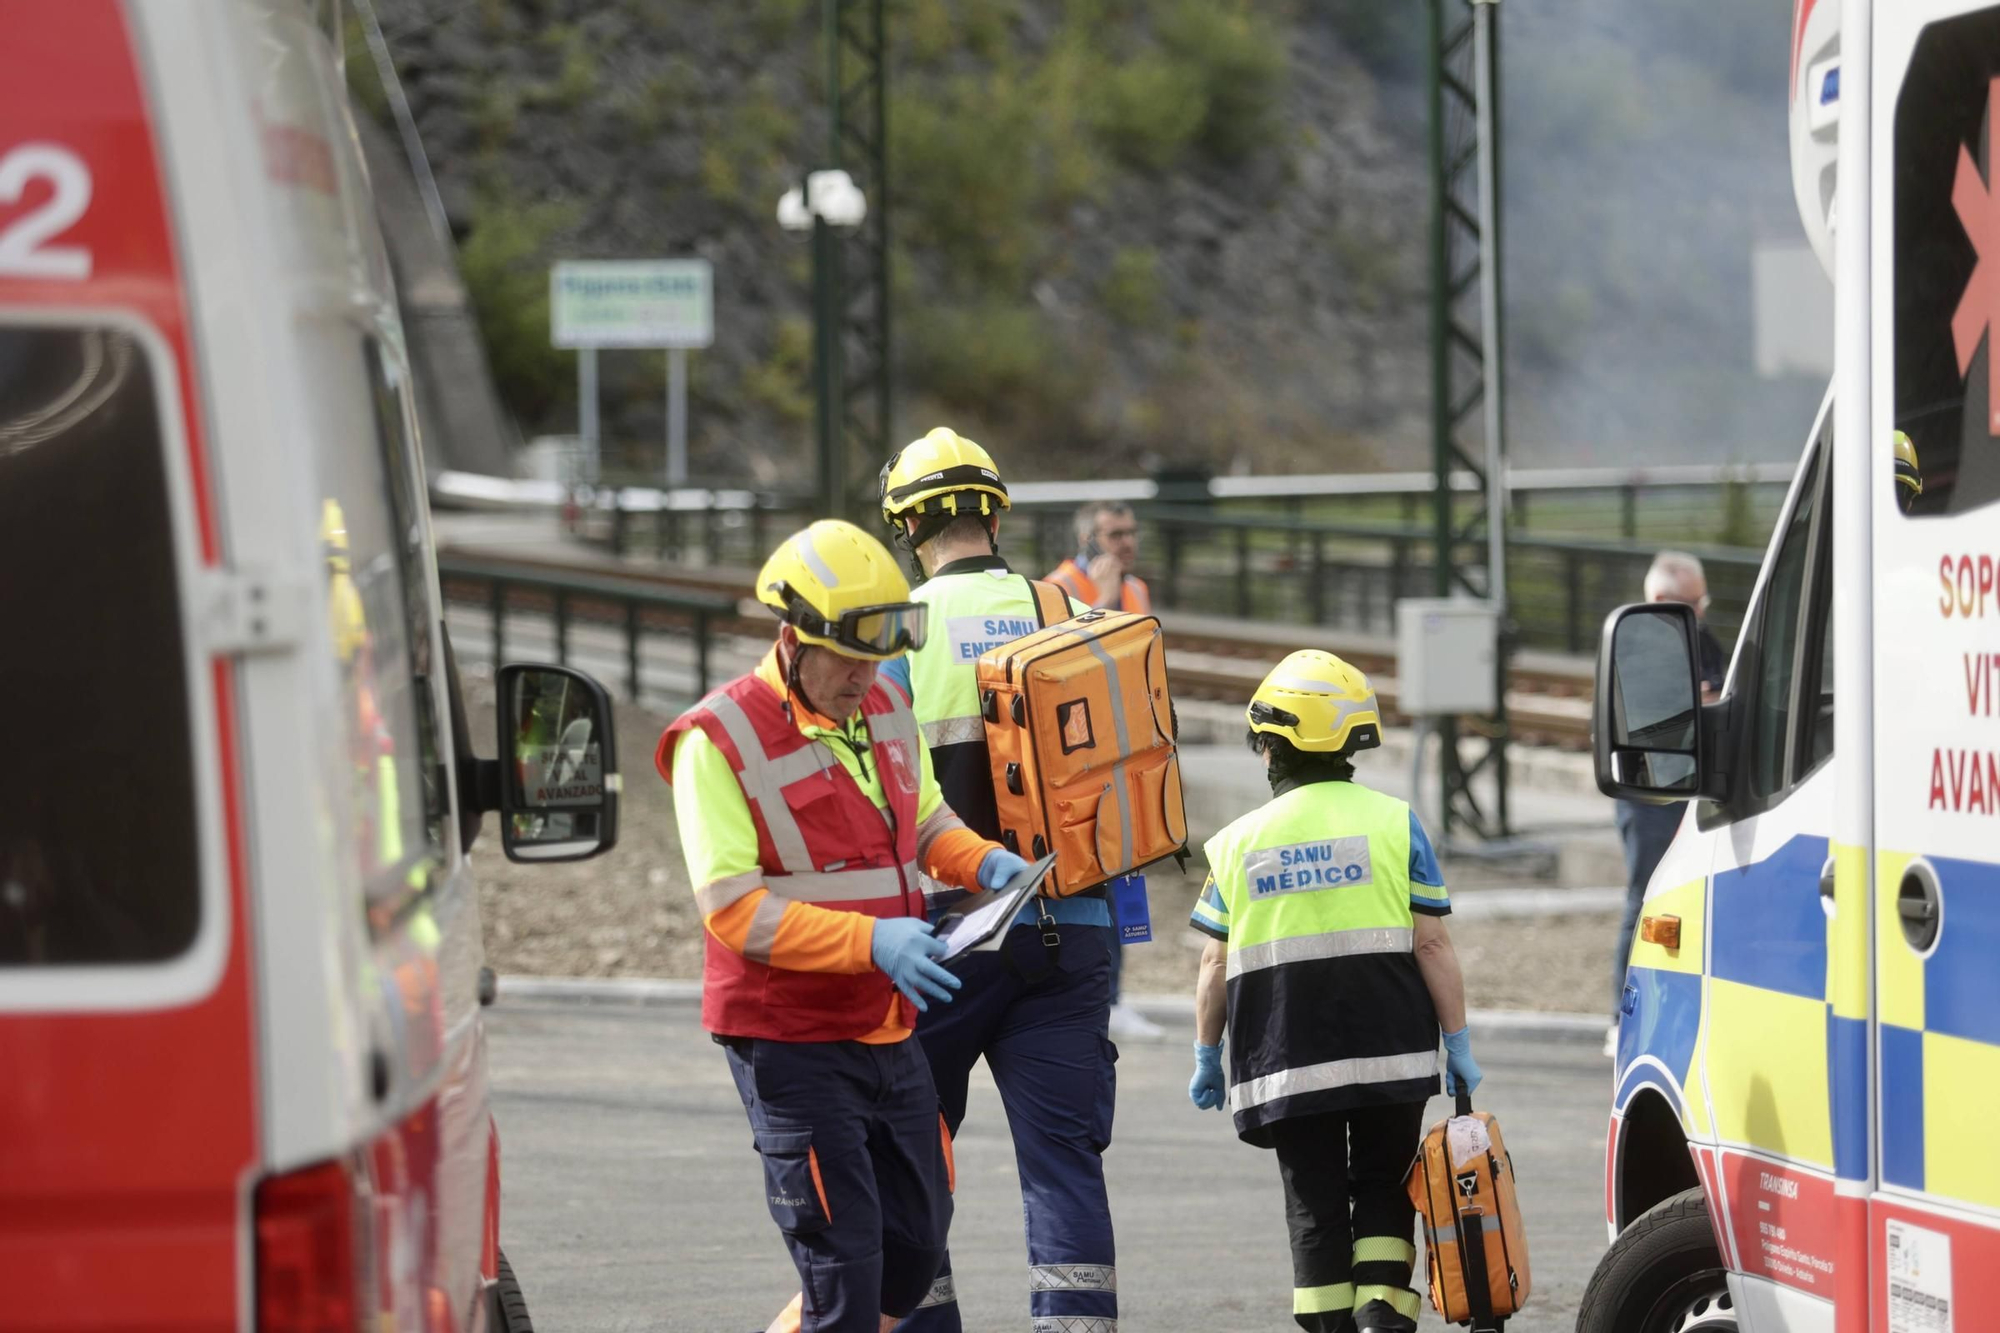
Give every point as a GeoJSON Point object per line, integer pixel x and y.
{"type": "Point", "coordinates": [1548, 697]}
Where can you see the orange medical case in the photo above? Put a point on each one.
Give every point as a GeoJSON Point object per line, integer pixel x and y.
{"type": "Point", "coordinates": [1476, 1252]}
{"type": "Point", "coordinates": [1080, 731]}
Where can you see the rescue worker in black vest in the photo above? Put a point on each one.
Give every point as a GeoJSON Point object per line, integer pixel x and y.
{"type": "Point", "coordinates": [1329, 959]}
{"type": "Point", "coordinates": [1036, 1008]}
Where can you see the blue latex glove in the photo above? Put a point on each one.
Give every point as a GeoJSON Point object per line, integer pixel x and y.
{"type": "Point", "coordinates": [1207, 1088]}
{"type": "Point", "coordinates": [999, 866]}
{"type": "Point", "coordinates": [1459, 1066]}
{"type": "Point", "coordinates": [904, 949]}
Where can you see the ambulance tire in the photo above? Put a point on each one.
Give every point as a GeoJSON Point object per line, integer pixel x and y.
{"type": "Point", "coordinates": [1662, 1275]}
{"type": "Point", "coordinates": [510, 1307]}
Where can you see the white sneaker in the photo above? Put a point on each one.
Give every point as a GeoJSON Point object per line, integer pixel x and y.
{"type": "Point", "coordinates": [1611, 1041]}
{"type": "Point", "coordinates": [1128, 1024]}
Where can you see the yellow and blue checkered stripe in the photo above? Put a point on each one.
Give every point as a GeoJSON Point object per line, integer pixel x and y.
{"type": "Point", "coordinates": [1940, 1034]}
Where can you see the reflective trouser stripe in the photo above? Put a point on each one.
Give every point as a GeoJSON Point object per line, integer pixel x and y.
{"type": "Point", "coordinates": [944, 1291]}
{"type": "Point", "coordinates": [1323, 1300]}
{"type": "Point", "coordinates": [1384, 1250]}
{"type": "Point", "coordinates": [1332, 1074]}
{"type": "Point", "coordinates": [1072, 1323]}
{"type": "Point", "coordinates": [1400, 1299]}
{"type": "Point", "coordinates": [1072, 1277]}
{"type": "Point", "coordinates": [954, 731]}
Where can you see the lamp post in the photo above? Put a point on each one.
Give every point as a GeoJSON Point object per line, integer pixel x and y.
{"type": "Point", "coordinates": [826, 200]}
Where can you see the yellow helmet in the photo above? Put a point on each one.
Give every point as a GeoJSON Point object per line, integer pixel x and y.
{"type": "Point", "coordinates": [1318, 703]}
{"type": "Point", "coordinates": [1909, 477]}
{"type": "Point", "coordinates": [841, 589]}
{"type": "Point", "coordinates": [333, 536]}
{"type": "Point", "coordinates": [936, 479]}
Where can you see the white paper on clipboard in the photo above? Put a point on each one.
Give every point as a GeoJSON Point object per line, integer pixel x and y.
{"type": "Point", "coordinates": [981, 921]}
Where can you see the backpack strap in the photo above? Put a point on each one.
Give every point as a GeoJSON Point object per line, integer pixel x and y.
{"type": "Point", "coordinates": [1051, 603]}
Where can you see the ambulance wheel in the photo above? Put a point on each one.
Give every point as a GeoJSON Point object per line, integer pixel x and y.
{"type": "Point", "coordinates": [510, 1307]}
{"type": "Point", "coordinates": [1662, 1275]}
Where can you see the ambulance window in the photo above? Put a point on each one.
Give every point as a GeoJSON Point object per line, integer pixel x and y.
{"type": "Point", "coordinates": [1774, 652]}
{"type": "Point", "coordinates": [380, 641]}
{"type": "Point", "coordinates": [98, 854]}
{"type": "Point", "coordinates": [1945, 365]}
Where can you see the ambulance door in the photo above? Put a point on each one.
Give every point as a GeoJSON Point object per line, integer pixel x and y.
{"type": "Point", "coordinates": [1934, 1217]}
{"type": "Point", "coordinates": [1764, 1044]}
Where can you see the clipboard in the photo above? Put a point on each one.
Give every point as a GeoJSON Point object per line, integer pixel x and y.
{"type": "Point", "coordinates": [978, 923]}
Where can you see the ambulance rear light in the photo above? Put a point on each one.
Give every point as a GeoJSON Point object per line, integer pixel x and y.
{"type": "Point", "coordinates": [1664, 931]}
{"type": "Point", "coordinates": [308, 1251]}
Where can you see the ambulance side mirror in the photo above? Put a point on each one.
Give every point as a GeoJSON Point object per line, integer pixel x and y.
{"type": "Point", "coordinates": [558, 772]}
{"type": "Point", "coordinates": [1645, 725]}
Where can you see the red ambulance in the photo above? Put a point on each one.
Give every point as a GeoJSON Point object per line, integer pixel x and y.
{"type": "Point", "coordinates": [242, 1062]}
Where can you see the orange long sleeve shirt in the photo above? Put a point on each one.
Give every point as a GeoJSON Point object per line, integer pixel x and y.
{"type": "Point", "coordinates": [719, 840]}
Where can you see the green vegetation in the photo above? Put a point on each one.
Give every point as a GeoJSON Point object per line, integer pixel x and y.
{"type": "Point", "coordinates": [576, 75]}
{"type": "Point", "coordinates": [504, 262]}
{"type": "Point", "coordinates": [782, 381]}
{"type": "Point", "coordinates": [745, 151]}
{"type": "Point", "coordinates": [1234, 58]}
{"type": "Point", "coordinates": [1148, 111]}
{"type": "Point", "coordinates": [1131, 290]}
{"type": "Point", "coordinates": [1741, 525]}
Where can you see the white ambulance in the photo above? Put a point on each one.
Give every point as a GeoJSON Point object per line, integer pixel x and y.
{"type": "Point", "coordinates": [1808, 1072]}
{"type": "Point", "coordinates": [242, 1062]}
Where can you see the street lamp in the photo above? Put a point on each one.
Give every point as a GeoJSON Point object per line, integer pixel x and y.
{"type": "Point", "coordinates": [826, 200]}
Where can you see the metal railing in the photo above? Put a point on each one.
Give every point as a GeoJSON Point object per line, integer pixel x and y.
{"type": "Point", "coordinates": [1350, 575]}
{"type": "Point", "coordinates": [633, 608]}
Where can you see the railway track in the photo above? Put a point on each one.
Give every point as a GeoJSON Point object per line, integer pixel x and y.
{"type": "Point", "coordinates": [1548, 699]}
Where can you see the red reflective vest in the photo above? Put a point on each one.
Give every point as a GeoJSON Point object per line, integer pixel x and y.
{"type": "Point", "coordinates": [820, 840]}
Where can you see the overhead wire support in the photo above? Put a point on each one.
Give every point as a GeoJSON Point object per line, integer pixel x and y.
{"type": "Point", "coordinates": [1467, 395]}
{"type": "Point", "coordinates": [860, 414]}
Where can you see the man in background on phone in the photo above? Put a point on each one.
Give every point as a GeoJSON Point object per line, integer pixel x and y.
{"type": "Point", "coordinates": [1100, 573]}
{"type": "Point", "coordinates": [1100, 576]}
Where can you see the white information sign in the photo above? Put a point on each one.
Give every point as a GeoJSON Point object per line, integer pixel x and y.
{"type": "Point", "coordinates": [1919, 1279]}
{"type": "Point", "coordinates": [632, 303]}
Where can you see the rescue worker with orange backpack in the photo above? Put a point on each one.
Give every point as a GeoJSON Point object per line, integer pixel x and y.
{"type": "Point", "coordinates": [1035, 1009]}
{"type": "Point", "coordinates": [807, 805]}
{"type": "Point", "coordinates": [1329, 961]}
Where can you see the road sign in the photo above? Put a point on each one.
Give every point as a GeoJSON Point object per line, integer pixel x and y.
{"type": "Point", "coordinates": [632, 303]}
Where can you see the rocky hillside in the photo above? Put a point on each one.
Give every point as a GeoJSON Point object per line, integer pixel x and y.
{"type": "Point", "coordinates": [1126, 231]}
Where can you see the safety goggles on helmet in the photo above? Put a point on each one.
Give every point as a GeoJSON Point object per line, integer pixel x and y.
{"type": "Point", "coordinates": [882, 630]}
{"type": "Point", "coordinates": [1269, 715]}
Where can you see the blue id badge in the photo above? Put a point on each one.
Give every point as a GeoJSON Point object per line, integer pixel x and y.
{"type": "Point", "coordinates": [1130, 909]}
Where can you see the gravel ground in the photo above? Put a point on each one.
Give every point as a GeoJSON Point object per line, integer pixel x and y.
{"type": "Point", "coordinates": [631, 913]}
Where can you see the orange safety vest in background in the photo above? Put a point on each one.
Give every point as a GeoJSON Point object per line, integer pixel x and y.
{"type": "Point", "coordinates": [820, 840]}
{"type": "Point", "coordinates": [1132, 595]}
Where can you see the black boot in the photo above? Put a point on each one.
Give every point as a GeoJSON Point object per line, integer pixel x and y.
{"type": "Point", "coordinates": [1381, 1317]}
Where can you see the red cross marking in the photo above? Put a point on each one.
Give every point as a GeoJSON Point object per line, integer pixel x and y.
{"type": "Point", "coordinates": [1979, 309]}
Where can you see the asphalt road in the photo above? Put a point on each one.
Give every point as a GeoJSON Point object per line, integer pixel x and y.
{"type": "Point", "coordinates": [633, 1201]}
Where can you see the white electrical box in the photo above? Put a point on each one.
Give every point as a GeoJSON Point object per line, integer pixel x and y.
{"type": "Point", "coordinates": [1445, 651]}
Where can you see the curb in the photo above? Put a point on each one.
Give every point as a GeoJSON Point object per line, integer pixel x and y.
{"type": "Point", "coordinates": [645, 992]}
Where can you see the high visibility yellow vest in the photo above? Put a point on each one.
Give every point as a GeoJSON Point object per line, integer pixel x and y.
{"type": "Point", "coordinates": [1327, 1008]}
{"type": "Point", "coordinates": [969, 614]}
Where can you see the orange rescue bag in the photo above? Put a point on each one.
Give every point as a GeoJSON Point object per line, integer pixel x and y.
{"type": "Point", "coordinates": [1476, 1252]}
{"type": "Point", "coordinates": [1080, 732]}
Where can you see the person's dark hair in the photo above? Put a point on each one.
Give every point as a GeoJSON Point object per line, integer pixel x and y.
{"type": "Point", "coordinates": [1290, 764]}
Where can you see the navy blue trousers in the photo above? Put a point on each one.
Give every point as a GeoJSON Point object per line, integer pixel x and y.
{"type": "Point", "coordinates": [1041, 1029]}
{"type": "Point", "coordinates": [854, 1172]}
{"type": "Point", "coordinates": [1647, 831]}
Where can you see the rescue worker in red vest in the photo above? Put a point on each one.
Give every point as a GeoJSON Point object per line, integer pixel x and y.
{"type": "Point", "coordinates": [1036, 1009]}
{"type": "Point", "coordinates": [1329, 960]}
{"type": "Point", "coordinates": [806, 805]}
{"type": "Point", "coordinates": [1100, 573]}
